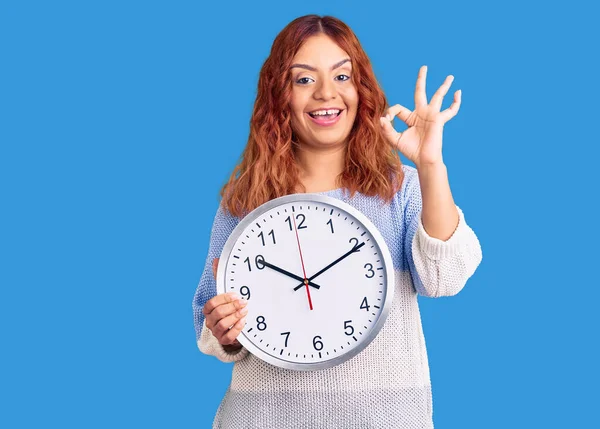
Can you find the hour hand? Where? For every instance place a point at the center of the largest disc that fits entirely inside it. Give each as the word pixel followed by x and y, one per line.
pixel 287 273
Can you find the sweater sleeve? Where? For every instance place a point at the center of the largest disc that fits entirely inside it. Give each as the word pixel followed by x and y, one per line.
pixel 209 345
pixel 223 225
pixel 438 268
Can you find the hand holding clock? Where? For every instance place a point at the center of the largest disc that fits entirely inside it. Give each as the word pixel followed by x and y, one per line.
pixel 225 316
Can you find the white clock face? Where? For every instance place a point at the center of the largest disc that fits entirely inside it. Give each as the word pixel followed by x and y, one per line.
pixel 345 261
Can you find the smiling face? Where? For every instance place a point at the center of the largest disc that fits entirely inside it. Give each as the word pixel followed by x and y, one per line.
pixel 324 99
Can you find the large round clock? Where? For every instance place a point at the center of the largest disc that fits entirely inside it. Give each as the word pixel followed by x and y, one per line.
pixel 318 278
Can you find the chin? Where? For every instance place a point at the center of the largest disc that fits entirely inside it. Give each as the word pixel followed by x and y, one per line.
pixel 330 143
pixel 324 138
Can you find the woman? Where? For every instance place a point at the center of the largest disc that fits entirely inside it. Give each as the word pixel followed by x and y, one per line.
pixel 320 124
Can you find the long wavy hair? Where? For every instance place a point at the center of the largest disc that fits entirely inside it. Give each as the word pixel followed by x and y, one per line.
pixel 268 167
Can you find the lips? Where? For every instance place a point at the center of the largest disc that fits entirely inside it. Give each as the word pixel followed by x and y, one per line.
pixel 326 120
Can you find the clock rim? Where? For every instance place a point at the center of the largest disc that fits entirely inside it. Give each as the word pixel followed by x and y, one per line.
pixel 386 256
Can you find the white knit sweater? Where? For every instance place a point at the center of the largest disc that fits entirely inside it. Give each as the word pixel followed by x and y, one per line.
pixel 387 385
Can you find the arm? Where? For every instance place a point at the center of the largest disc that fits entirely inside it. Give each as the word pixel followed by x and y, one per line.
pixel 439 214
pixel 442 250
pixel 223 225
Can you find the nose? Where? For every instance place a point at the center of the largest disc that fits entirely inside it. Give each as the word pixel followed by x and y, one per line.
pixel 325 91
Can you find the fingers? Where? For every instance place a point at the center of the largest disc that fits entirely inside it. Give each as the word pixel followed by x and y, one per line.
pixel 420 95
pixel 228 328
pixel 431 111
pixel 219 300
pixel 388 129
pixel 438 97
pixel 399 111
pixel 230 336
pixel 451 111
pixel 223 311
pixel 215 264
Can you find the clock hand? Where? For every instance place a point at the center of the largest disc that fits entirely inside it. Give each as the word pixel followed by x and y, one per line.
pixel 354 249
pixel 287 273
pixel 302 260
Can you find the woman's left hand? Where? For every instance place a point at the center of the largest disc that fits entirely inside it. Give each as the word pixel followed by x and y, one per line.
pixel 421 143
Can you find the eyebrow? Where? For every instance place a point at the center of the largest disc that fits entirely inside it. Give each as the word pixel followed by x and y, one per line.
pixel 311 68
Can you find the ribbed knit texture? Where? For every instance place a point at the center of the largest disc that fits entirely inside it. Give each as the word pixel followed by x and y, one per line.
pixel 387 385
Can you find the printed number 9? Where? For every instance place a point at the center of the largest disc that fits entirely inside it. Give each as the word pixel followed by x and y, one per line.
pixel 245 291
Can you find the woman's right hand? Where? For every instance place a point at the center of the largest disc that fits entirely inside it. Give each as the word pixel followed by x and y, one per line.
pixel 225 316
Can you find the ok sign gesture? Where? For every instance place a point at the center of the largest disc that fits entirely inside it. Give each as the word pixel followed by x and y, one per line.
pixel 421 143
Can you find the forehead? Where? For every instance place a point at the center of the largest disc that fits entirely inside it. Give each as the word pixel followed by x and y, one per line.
pixel 320 50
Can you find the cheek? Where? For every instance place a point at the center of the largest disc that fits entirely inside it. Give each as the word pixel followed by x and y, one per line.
pixel 296 120
pixel 297 111
pixel 352 103
pixel 355 100
pixel 297 100
pixel 351 98
pixel 352 110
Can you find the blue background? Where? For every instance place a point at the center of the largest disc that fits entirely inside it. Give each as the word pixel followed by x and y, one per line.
pixel 120 121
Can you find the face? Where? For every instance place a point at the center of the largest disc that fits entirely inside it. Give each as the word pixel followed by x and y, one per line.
pixel 324 98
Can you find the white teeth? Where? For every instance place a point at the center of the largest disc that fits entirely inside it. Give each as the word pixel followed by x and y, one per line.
pixel 326 112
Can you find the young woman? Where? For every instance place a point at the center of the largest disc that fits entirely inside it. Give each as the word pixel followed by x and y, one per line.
pixel 321 124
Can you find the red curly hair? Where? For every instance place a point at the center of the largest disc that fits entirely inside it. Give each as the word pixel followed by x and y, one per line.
pixel 268 168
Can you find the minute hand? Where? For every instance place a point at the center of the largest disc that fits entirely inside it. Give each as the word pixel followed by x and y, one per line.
pixel 349 252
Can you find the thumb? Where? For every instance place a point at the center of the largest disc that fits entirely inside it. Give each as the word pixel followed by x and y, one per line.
pixel 215 264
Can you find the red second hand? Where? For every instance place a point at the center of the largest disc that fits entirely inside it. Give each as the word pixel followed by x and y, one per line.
pixel 302 260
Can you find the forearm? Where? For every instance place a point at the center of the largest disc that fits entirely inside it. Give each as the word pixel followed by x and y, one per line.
pixel 439 214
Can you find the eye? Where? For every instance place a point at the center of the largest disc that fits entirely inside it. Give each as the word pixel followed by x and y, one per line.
pixel 302 80
pixel 343 75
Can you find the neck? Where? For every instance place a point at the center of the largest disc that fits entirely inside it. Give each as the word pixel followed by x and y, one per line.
pixel 320 168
